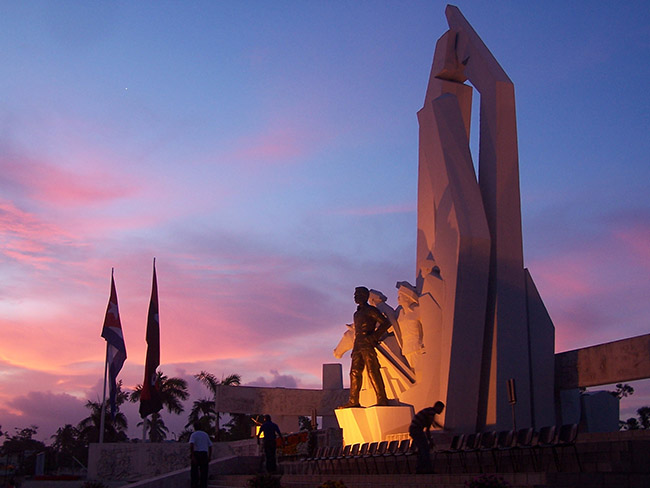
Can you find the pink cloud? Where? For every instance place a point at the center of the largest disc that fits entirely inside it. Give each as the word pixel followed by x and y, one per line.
pixel 593 284
pixel 50 341
pixel 45 410
pixel 54 185
pixel 567 274
pixel 637 240
pixel 276 380
pixel 42 405
pixel 21 406
pixel 274 146
pixel 279 144
pixel 28 239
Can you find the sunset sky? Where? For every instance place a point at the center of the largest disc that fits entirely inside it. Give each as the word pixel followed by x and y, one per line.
pixel 266 154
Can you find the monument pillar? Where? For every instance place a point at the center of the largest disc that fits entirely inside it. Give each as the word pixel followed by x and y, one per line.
pixel 481 324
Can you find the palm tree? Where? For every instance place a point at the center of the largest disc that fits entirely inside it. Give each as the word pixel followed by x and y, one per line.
pixel 67 445
pixel 212 383
pixel 184 436
pixel 173 392
pixel 65 438
pixel 114 428
pixel 156 427
pixel 203 413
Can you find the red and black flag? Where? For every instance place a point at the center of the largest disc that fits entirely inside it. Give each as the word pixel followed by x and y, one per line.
pixel 150 395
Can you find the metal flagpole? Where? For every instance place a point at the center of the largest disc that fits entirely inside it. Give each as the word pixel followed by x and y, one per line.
pixel 102 421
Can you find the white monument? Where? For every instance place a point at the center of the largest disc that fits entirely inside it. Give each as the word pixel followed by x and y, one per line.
pixel 482 320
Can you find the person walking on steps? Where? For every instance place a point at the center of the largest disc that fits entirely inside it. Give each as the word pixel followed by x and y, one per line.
pixel 200 452
pixel 269 430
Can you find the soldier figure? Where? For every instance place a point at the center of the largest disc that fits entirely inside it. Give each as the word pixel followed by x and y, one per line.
pixel 369 326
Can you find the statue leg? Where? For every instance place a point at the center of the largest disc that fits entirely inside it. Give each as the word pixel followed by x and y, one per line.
pixel 356 377
pixel 376 380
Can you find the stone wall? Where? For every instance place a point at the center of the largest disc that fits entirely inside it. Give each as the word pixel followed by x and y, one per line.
pixel 137 461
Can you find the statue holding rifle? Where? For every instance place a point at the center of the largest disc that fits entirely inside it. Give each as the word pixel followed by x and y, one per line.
pixel 369 326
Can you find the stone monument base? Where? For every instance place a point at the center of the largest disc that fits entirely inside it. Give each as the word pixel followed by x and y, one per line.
pixel 373 424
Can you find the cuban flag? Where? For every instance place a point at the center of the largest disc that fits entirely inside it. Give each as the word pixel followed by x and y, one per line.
pixel 115 347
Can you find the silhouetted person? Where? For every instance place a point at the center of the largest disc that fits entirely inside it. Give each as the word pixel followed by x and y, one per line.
pixel 366 337
pixel 269 430
pixel 420 432
pixel 200 452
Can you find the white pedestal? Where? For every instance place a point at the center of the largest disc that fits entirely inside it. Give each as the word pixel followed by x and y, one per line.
pixel 373 424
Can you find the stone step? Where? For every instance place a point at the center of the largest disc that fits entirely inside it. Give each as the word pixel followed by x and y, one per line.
pixel 230 481
pixel 515 480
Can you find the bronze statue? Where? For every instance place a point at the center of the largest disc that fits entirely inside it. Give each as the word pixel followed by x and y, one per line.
pixel 369 326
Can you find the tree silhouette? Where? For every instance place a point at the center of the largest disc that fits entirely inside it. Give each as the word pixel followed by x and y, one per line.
pixel 114 428
pixel 642 422
pixel 212 383
pixel 173 392
pixel 203 413
pixel 24 447
pixel 622 390
pixel 239 427
pixel 156 427
pixel 67 445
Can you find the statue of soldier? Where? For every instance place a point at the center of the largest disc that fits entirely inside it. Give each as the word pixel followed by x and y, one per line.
pixel 369 326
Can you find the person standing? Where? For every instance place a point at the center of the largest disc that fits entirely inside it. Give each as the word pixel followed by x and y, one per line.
pixel 269 430
pixel 420 432
pixel 200 455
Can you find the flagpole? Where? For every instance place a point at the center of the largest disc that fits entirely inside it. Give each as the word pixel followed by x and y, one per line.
pixel 103 418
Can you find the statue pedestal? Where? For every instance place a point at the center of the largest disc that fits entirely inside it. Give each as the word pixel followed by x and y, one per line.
pixel 373 424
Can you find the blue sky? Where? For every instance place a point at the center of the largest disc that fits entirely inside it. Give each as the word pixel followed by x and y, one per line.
pixel 266 154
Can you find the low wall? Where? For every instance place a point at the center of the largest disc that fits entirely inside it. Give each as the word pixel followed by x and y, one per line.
pixel 230 465
pixel 132 462
pixel 136 461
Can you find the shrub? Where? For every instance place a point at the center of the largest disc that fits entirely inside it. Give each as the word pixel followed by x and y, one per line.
pixel 264 481
pixel 487 481
pixel 93 484
pixel 333 484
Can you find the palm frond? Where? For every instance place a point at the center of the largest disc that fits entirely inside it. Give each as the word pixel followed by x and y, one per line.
pixel 208 379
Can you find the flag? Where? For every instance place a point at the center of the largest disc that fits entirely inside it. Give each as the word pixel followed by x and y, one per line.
pixel 115 347
pixel 150 394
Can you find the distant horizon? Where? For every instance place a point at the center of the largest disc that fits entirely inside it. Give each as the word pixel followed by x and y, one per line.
pixel 267 156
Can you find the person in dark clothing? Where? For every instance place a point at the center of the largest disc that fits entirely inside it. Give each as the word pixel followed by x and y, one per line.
pixel 369 327
pixel 269 430
pixel 200 454
pixel 420 432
